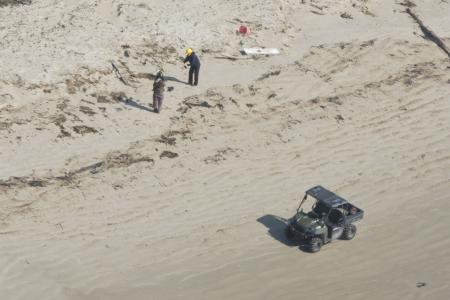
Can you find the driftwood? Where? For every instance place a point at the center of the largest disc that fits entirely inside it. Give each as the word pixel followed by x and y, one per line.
pixel 429 35
pixel 229 57
pixel 118 74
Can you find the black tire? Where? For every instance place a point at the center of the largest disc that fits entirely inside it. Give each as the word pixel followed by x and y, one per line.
pixel 288 233
pixel 349 232
pixel 313 245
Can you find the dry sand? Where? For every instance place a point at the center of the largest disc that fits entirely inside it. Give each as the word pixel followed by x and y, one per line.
pixel 101 199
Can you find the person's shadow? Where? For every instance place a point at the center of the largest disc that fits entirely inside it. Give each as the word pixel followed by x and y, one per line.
pixel 276 226
pixel 171 78
pixel 130 102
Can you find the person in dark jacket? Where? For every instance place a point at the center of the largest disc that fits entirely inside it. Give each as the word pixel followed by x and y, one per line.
pixel 158 91
pixel 194 69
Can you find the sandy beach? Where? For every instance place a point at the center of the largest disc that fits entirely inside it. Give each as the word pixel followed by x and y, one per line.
pixel 103 199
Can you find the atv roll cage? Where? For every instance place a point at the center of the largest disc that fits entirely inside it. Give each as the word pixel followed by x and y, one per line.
pixel 330 206
pixel 325 196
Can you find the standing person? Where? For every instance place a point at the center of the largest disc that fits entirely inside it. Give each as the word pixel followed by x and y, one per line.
pixel 194 62
pixel 158 91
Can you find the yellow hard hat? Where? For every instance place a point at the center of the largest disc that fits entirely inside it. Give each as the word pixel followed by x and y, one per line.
pixel 189 51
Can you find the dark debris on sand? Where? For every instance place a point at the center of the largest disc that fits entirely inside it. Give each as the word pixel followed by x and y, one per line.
pixel 14 2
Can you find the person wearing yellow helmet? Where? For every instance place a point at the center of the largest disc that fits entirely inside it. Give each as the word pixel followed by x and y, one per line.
pixel 194 63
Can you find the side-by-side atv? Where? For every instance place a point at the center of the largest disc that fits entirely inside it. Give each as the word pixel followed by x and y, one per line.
pixel 331 218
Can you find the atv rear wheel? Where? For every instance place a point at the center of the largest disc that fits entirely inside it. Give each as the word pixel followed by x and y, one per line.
pixel 313 245
pixel 349 232
pixel 288 233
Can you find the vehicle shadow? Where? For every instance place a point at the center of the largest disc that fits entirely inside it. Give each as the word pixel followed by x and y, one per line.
pixel 131 102
pixel 276 226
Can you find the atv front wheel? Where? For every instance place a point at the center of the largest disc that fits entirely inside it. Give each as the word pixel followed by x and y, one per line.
pixel 313 245
pixel 349 232
pixel 288 233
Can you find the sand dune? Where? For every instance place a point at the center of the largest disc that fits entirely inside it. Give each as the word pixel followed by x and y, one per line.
pixel 102 199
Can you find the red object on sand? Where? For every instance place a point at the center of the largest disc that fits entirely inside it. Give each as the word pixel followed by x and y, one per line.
pixel 244 29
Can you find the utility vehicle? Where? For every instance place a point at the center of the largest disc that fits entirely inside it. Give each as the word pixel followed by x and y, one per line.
pixel 331 218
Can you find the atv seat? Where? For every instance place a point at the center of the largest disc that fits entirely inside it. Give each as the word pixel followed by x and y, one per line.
pixel 313 215
pixel 336 216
